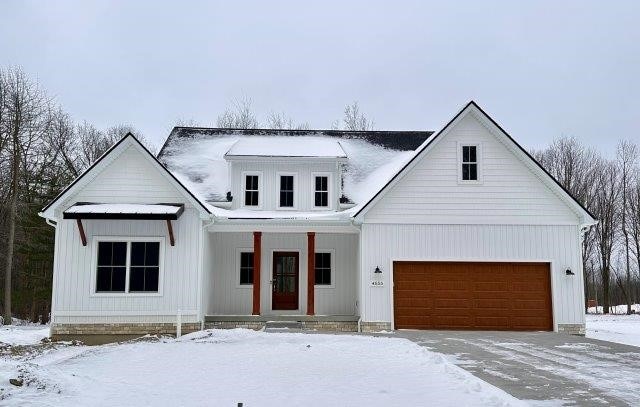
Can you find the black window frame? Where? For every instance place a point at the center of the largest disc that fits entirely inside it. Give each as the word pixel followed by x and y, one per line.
pixel 252 195
pixel 246 268
pixel 106 267
pixel 287 195
pixel 319 194
pixel 323 269
pixel 150 265
pixel 469 163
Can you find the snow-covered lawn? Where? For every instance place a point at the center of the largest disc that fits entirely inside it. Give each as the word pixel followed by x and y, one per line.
pixel 224 367
pixel 23 334
pixel 614 328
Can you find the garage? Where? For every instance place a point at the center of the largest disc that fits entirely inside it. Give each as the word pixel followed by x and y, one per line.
pixel 472 295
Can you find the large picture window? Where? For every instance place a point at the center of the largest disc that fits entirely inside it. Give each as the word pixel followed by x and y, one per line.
pixel 128 267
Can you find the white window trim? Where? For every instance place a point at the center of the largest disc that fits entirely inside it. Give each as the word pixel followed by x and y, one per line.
pixel 330 203
pixel 479 160
pixel 244 189
pixel 94 265
pixel 240 250
pixel 333 270
pixel 295 190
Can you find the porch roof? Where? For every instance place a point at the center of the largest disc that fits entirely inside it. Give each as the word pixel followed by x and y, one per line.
pixel 166 211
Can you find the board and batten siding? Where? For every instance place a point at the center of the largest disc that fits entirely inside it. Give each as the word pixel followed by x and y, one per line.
pixel 74 301
pixel 130 178
pixel 510 193
pixel 226 297
pixel 304 182
pixel 559 244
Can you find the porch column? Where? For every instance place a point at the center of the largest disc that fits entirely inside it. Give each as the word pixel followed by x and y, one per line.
pixel 257 246
pixel 311 272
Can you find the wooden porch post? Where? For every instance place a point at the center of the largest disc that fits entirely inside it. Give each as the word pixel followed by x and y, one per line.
pixel 311 272
pixel 257 246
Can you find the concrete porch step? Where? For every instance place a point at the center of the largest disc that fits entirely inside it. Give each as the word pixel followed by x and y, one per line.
pixel 276 326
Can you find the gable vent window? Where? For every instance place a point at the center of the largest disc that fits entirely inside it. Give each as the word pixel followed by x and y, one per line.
pixel 469 163
pixel 251 190
pixel 286 191
pixel 322 191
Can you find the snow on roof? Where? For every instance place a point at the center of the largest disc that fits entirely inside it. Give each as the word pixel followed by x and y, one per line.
pixel 124 209
pixel 196 156
pixel 260 146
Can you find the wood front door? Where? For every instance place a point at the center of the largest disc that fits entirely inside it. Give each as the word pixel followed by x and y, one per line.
pixel 285 281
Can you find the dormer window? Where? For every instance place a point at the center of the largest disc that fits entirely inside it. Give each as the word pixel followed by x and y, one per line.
pixel 287 193
pixel 321 192
pixel 251 190
pixel 469 168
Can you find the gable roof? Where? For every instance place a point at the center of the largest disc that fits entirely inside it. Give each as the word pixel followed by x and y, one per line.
pixel 131 139
pixel 361 209
pixel 197 155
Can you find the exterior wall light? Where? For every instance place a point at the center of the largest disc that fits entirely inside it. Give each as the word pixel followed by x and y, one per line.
pixel 377 270
pixel 569 272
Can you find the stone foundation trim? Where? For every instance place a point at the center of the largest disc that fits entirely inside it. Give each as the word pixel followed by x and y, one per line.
pixel 122 329
pixel 375 326
pixel 572 329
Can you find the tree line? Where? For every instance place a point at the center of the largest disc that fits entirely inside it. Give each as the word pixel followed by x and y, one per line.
pixel 42 150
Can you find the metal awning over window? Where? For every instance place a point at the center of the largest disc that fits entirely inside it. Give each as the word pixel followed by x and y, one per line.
pixel 165 211
pixel 124 211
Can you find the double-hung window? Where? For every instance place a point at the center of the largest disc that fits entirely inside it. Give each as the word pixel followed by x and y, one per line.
pixel 246 268
pixel 286 191
pixel 251 190
pixel 323 269
pixel 128 266
pixel 469 163
pixel 321 192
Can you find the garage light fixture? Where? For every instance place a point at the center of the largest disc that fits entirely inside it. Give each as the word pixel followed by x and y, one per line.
pixel 377 270
pixel 569 272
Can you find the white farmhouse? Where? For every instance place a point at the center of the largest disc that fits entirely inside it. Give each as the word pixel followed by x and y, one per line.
pixel 337 230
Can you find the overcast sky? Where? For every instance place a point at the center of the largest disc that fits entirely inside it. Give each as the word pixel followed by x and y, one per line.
pixel 541 69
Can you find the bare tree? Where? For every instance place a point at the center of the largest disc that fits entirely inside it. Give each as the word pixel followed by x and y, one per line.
pixel 239 116
pixel 627 156
pixel 354 119
pixel 284 122
pixel 606 210
pixel 23 115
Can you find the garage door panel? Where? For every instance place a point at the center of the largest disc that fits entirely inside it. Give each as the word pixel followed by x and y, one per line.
pixel 467 295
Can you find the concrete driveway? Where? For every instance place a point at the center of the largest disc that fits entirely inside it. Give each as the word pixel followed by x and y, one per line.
pixel 570 370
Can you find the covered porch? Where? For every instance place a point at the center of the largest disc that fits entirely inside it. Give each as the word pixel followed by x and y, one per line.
pixel 300 274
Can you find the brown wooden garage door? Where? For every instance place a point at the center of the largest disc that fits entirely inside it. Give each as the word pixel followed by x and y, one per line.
pixel 464 295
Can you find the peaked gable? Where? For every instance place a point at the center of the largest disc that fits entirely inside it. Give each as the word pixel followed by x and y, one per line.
pixel 126 160
pixel 516 184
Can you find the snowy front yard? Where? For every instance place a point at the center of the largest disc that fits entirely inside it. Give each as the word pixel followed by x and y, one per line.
pixel 623 329
pixel 224 367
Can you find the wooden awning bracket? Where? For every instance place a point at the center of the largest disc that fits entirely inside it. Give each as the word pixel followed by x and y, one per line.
pixel 83 236
pixel 172 240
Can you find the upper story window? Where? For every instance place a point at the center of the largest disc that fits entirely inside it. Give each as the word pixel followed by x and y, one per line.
pixel 286 191
pixel 251 190
pixel 128 267
pixel 469 163
pixel 321 194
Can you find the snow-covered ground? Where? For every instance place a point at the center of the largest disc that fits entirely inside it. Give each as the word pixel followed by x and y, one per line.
pixel 614 328
pixel 224 367
pixel 614 309
pixel 27 334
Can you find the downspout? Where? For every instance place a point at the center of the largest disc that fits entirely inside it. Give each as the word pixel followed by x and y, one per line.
pixel 205 225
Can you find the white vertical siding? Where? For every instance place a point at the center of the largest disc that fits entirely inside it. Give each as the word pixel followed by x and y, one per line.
pixel 383 243
pixel 510 193
pixel 304 188
pixel 74 269
pixel 226 298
